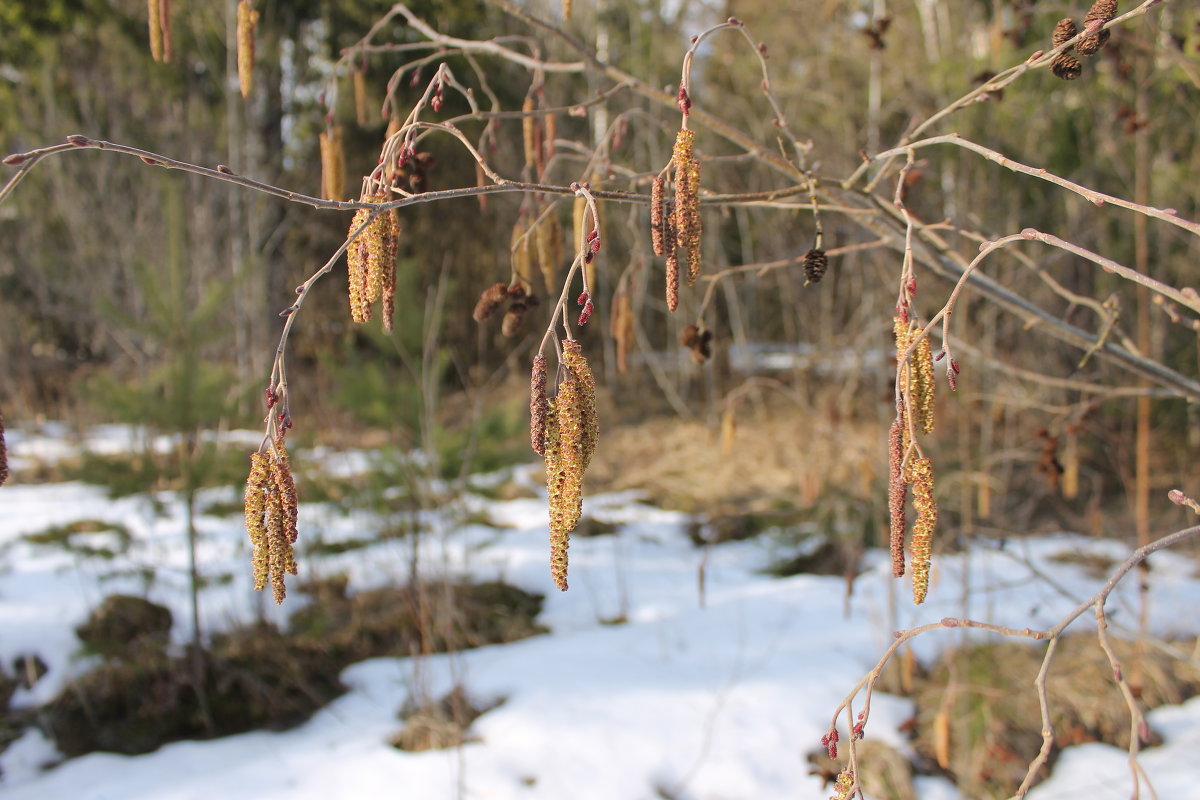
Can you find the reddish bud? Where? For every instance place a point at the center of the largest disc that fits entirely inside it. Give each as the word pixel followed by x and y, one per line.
pixel 79 140
pixel 586 314
pixel 941 354
pixel 949 622
pixel 224 170
pixel 912 285
pixel 583 298
pixel 954 366
pixel 685 101
pixel 15 160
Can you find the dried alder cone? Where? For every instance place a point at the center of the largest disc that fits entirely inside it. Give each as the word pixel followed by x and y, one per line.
pixel 1064 65
pixel 815 265
pixel 271 516
pixel 247 21
pixel 571 429
pixel 1101 13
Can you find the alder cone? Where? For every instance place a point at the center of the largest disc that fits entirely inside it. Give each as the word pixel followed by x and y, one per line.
pixel 1066 66
pixel 1064 31
pixel 815 265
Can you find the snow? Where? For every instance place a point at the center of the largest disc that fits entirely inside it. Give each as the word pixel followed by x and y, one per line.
pixel 710 689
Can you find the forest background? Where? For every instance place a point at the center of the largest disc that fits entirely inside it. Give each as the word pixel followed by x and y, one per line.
pixel 142 295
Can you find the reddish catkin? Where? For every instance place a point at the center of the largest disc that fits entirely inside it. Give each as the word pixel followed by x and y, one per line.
pixel 657 215
pixel 164 23
pixel 3 454
pixel 897 491
pixel 539 405
pixel 247 21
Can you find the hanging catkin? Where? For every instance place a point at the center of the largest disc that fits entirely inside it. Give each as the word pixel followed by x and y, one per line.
pixel 247 21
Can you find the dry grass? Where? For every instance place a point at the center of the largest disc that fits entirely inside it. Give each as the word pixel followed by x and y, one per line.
pixel 995 725
pixel 784 457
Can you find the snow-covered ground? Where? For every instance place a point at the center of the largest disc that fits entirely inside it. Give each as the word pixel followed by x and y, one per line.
pixel 711 689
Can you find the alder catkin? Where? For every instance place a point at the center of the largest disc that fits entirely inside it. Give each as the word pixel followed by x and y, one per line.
pixel 247 21
pixel 155 27
pixel 361 115
pixel 164 23
pixel 921 473
pixel 528 133
pixel 657 215
pixel 897 492
pixel 539 405
pixel 256 517
pixel 621 328
pixel 333 164
pixel 3 454
pixel 923 383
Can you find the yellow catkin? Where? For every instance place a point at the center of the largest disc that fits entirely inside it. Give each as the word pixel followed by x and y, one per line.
pixel 923 382
pixel 547 249
pixel 903 369
pixel 566 9
pixel 577 363
pixel 529 133
pixel 687 199
pixel 256 517
pixel 1070 478
pixel 897 492
pixel 571 433
pixel 3 454
pixel 921 472
pixel 521 250
pixel 155 28
pixel 333 164
pixel 357 258
pixel 941 738
pixel 247 21
pixel 621 328
pixel 361 114
pixel 728 431
pixel 164 24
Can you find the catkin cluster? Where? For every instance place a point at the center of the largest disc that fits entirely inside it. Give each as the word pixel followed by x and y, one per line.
pixel 271 514
pixel 916 374
pixel 160 29
pixel 906 464
pixel 3 454
pixel 247 21
pixel 675 222
pixel 570 429
pixel 372 262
